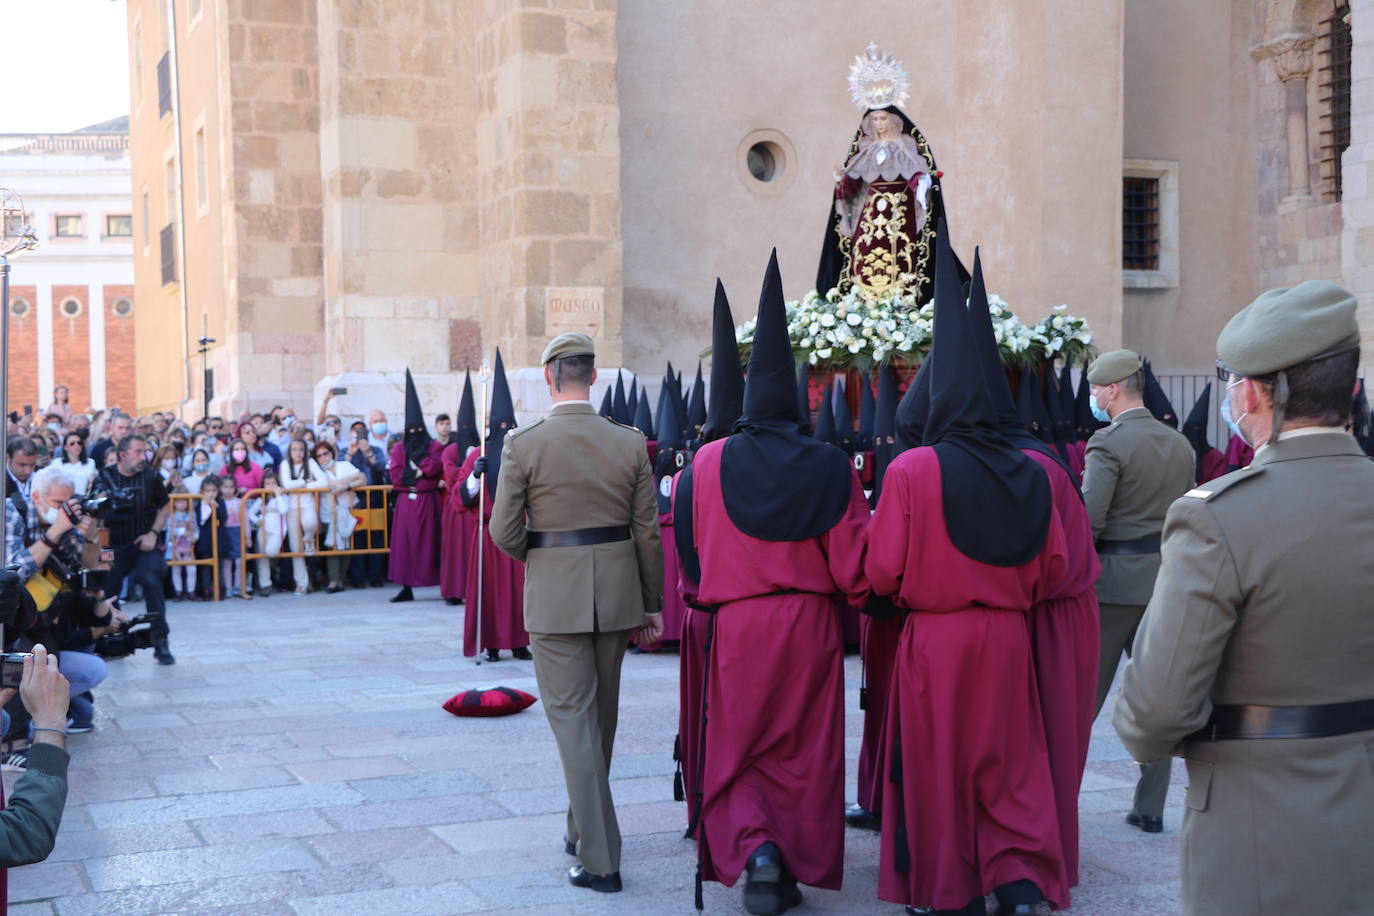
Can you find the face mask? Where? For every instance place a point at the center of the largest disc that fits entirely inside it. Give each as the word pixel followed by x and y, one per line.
pixel 169 463
pixel 55 427
pixel 200 467
pixel 1099 413
pixel 240 454
pixel 50 516
pixel 1233 422
pixel 379 429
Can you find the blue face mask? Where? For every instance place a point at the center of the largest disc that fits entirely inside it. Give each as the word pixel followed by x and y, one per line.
pixel 1233 422
pixel 379 429
pixel 1099 413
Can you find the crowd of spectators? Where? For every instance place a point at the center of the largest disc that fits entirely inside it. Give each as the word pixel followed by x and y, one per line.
pixel 167 492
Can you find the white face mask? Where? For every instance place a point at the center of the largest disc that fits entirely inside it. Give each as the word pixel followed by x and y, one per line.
pixel 1233 422
pixel 48 515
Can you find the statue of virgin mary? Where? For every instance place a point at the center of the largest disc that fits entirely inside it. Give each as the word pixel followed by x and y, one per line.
pixel 881 229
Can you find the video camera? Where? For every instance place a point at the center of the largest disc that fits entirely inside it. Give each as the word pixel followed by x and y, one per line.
pixel 134 635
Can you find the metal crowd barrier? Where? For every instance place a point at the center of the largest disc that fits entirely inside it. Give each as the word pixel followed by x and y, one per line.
pixel 369 511
pixel 193 509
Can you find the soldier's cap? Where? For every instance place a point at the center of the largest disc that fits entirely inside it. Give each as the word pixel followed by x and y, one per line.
pixel 568 345
pixel 1285 327
pixel 1110 368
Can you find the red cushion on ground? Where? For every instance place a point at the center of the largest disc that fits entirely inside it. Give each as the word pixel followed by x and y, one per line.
pixel 489 701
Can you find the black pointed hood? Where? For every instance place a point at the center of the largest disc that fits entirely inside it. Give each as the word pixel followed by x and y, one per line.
pixel 1085 424
pixel 643 422
pixel 1195 427
pixel 725 402
pixel 672 450
pixel 465 428
pixel 1009 421
pixel 696 407
pixel 416 436
pixel 825 417
pixel 804 398
pixel 632 399
pixel 867 406
pixel 885 446
pixel 620 408
pixel 500 421
pixel 997 501
pixel 844 422
pixel 1156 401
pixel 777 484
pixel 1030 404
pixel 607 405
pixel 1066 402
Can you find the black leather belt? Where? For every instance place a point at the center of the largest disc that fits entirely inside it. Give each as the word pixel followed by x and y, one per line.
pixel 1147 544
pixel 582 537
pixel 1229 723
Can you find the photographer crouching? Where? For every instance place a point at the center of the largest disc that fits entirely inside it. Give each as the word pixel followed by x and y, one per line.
pixel 45 553
pixel 135 508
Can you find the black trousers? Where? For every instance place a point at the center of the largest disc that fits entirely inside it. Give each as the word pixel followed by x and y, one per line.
pixel 148 568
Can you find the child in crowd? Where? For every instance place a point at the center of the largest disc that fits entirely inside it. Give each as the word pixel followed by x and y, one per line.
pixel 269 530
pixel 229 542
pixel 182 545
pixel 211 506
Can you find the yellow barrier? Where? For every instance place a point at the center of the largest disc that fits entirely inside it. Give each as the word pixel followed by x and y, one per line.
pixel 367 506
pixel 213 560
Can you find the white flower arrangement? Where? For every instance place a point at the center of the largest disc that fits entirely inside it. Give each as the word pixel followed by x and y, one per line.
pixel 841 331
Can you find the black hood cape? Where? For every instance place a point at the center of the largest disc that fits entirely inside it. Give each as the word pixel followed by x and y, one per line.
pixel 867 406
pixel 696 408
pixel 804 399
pixel 1009 421
pixel 416 437
pixel 465 428
pixel 499 422
pixel 1085 424
pixel 607 408
pixel 1195 428
pixel 777 484
pixel 620 408
pixel 997 500
pixel 885 445
pixel 672 450
pixel 825 417
pixel 1156 401
pixel 844 422
pixel 643 422
pixel 725 400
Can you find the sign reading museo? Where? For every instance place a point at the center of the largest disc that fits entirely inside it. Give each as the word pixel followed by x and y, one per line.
pixel 574 309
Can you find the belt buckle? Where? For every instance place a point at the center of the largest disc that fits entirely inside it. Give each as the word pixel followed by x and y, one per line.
pixel 410 495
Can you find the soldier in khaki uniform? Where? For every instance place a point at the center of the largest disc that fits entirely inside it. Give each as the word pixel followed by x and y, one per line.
pixel 1135 468
pixel 1254 660
pixel 576 504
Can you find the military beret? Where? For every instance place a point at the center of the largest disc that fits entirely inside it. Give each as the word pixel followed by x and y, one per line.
pixel 1284 327
pixel 568 345
pixel 1110 368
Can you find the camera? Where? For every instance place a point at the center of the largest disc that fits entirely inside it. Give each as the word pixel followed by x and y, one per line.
pixel 12 668
pixel 134 635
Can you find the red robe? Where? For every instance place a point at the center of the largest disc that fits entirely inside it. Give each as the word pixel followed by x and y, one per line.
pixel 1065 635
pixel 1214 465
pixel 1078 458
pixel 503 586
pixel 879 652
pixel 458 530
pixel 773 743
pixel 972 804
pixel 414 559
pixel 674 609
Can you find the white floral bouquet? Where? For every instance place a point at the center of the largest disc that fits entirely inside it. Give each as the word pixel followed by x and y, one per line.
pixel 842 331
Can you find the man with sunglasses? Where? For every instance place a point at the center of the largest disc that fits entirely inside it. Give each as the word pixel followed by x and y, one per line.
pixel 1253 661
pixel 1135 467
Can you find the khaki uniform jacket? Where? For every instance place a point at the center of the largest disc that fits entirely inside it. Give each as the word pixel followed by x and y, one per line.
pixel 1134 469
pixel 1264 598
pixel 574 469
pixel 28 825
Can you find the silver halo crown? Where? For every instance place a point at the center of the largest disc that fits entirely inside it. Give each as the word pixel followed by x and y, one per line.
pixel 877 80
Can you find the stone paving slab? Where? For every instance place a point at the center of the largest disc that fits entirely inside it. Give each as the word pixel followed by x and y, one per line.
pixel 296 762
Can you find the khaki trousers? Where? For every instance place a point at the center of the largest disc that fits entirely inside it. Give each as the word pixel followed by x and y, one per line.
pixel 579 685
pixel 1119 623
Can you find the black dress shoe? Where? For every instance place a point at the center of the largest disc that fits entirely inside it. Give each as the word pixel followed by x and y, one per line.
pixel 768 888
pixel 861 818
pixel 453 602
pixel 569 847
pixel 605 884
pixel 1146 822
pixel 405 594
pixel 522 654
pixel 493 655
pixel 162 653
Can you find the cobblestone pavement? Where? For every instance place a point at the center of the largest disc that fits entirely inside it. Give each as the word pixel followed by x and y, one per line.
pixel 296 761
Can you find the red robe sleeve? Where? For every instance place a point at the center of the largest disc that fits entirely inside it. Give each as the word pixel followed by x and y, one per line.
pixel 397 468
pixel 886 536
pixel 845 544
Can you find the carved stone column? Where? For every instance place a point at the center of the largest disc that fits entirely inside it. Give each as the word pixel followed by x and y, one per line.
pixel 1292 56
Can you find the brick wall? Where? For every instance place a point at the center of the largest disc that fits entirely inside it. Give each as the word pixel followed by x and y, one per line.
pixel 23 352
pixel 71 346
pixel 119 349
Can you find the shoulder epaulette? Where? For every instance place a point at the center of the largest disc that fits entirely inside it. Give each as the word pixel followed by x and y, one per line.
pixel 524 429
pixel 1214 488
pixel 623 425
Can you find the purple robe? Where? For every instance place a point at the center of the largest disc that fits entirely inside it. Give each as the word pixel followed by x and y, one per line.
pixel 502 604
pixel 458 531
pixel 414 557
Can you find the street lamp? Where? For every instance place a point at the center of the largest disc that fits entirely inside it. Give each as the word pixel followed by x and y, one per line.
pixel 207 386
pixel 16 235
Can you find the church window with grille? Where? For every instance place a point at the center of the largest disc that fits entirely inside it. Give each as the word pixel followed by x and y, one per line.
pixel 1333 88
pixel 1140 223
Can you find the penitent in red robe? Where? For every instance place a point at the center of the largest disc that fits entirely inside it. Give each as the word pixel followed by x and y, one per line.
pixel 879 651
pixel 773 745
pixel 503 586
pixel 1065 635
pixel 972 802
pixel 414 557
pixel 458 530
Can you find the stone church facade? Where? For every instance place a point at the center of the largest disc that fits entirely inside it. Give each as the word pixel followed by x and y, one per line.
pixel 339 189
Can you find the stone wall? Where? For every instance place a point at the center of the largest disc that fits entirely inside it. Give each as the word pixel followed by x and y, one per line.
pixel 1357 235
